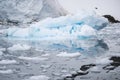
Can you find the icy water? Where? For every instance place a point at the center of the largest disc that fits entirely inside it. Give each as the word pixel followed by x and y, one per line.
pixel 40 58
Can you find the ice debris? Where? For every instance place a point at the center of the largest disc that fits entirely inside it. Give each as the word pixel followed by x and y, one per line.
pixel 17 47
pixel 33 58
pixel 9 71
pixel 65 54
pixel 39 77
pixel 8 61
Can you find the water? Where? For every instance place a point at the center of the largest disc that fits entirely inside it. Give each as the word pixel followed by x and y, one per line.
pixel 57 68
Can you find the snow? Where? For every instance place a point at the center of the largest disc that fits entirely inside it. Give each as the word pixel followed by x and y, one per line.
pixel 40 77
pixel 33 58
pixel 65 27
pixel 9 71
pixel 8 61
pixel 19 47
pixel 65 54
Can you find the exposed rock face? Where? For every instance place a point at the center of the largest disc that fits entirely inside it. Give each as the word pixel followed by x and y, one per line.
pixel 111 19
pixel 29 10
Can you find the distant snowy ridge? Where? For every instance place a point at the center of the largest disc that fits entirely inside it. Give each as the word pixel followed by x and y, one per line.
pixel 29 10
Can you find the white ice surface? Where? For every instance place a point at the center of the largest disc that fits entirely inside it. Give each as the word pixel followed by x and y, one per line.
pixel 19 47
pixel 1 53
pixel 33 58
pixel 8 62
pixel 40 77
pixel 9 71
pixel 104 60
pixel 65 54
pixel 2 49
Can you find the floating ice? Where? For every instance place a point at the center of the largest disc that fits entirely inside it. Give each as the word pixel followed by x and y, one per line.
pixel 19 47
pixel 8 62
pixel 65 54
pixel 104 60
pixel 33 58
pixel 67 27
pixel 1 53
pixel 2 49
pixel 95 69
pixel 9 71
pixel 40 77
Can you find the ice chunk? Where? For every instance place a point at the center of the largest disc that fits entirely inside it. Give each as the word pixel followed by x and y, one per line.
pixel 65 54
pixel 33 58
pixel 95 69
pixel 9 71
pixel 8 62
pixel 19 47
pixel 40 77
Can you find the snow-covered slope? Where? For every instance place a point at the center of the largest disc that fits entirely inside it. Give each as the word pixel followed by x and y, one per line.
pixel 29 10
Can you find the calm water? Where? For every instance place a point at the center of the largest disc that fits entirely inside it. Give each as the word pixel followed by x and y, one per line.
pixel 59 67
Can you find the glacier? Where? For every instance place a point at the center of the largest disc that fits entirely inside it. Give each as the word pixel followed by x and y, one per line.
pixel 26 11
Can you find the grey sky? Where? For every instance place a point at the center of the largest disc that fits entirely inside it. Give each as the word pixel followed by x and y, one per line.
pixel 104 6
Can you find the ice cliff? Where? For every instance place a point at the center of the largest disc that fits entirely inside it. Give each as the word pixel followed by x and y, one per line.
pixel 29 10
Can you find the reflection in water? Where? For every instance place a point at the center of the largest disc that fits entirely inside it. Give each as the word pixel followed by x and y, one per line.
pixel 88 47
pixel 24 68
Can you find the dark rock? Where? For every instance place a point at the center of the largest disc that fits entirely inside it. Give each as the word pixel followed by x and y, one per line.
pixel 73 76
pixel 111 19
pixel 86 67
pixel 115 59
pixel 114 64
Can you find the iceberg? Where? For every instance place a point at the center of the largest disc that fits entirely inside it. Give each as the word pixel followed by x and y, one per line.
pixel 77 32
pixel 65 27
